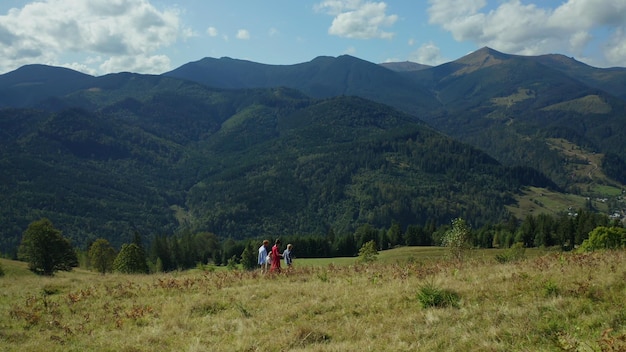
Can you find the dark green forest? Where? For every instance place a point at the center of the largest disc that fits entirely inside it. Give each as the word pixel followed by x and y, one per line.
pixel 240 164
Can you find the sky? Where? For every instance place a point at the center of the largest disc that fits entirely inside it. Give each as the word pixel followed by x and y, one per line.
pixel 155 36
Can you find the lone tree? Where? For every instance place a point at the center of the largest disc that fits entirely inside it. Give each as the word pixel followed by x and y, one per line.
pixel 45 249
pixel 101 256
pixel 368 252
pixel 457 239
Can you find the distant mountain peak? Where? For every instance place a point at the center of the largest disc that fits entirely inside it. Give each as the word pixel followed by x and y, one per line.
pixel 40 72
pixel 481 58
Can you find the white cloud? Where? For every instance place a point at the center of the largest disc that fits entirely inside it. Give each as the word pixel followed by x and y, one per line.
pixel 82 67
pixel 243 34
pixel 212 32
pixel 46 30
pixel 273 32
pixel 350 51
pixel 529 29
pixel 428 54
pixel 358 19
pixel 136 63
pixel 336 7
pixel 615 49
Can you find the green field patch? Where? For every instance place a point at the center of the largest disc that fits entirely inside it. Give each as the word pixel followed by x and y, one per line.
pixel 607 190
pixel 508 101
pixel 590 104
pixel 536 200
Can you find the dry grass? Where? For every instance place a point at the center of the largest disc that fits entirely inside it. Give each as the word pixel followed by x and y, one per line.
pixel 553 302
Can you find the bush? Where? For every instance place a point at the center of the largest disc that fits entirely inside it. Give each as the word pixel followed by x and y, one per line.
pixel 604 238
pixel 515 253
pixel 551 289
pixel 232 263
pixel 457 239
pixel 368 252
pixel 431 296
pixel 1 270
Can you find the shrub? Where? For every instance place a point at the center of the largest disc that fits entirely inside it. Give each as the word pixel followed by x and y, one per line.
pixel 232 263
pixel 551 289
pixel 515 253
pixel 431 296
pixel 457 239
pixel 604 238
pixel 368 252
pixel 1 270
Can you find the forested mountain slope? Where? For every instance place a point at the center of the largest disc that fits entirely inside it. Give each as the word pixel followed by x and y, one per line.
pixel 507 105
pixel 156 155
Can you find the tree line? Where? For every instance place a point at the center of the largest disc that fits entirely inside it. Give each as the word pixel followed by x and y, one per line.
pixel 47 251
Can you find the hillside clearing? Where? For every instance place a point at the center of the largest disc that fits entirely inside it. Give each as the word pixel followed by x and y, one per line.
pixel 550 302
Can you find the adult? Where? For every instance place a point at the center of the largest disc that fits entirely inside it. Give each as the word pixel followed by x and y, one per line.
pixel 276 256
pixel 263 256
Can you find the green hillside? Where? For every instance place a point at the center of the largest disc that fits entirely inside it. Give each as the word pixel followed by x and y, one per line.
pixel 123 153
pixel 155 155
pixel 504 104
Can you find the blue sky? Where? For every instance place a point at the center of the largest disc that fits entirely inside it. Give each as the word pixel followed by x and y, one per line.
pixel 155 36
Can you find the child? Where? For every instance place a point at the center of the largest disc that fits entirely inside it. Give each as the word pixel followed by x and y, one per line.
pixel 287 255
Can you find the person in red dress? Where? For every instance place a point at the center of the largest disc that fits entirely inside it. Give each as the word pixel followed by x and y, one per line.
pixel 276 256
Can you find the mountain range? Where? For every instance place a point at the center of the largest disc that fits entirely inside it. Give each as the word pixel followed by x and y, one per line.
pixel 244 149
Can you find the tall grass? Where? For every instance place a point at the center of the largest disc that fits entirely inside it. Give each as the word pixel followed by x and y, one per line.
pixel 552 302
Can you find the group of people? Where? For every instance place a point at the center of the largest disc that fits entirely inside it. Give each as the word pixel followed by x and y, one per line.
pixel 273 257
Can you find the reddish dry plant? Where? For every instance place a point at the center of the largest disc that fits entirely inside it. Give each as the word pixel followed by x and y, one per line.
pixel 31 317
pixel 139 311
pixel 79 296
pixel 610 343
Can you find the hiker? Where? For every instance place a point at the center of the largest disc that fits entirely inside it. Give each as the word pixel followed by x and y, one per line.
pixel 263 262
pixel 276 256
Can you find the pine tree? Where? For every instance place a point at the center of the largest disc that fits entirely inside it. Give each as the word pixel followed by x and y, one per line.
pixel 249 257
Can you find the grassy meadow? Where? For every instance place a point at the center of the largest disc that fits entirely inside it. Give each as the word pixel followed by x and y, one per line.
pixel 547 301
